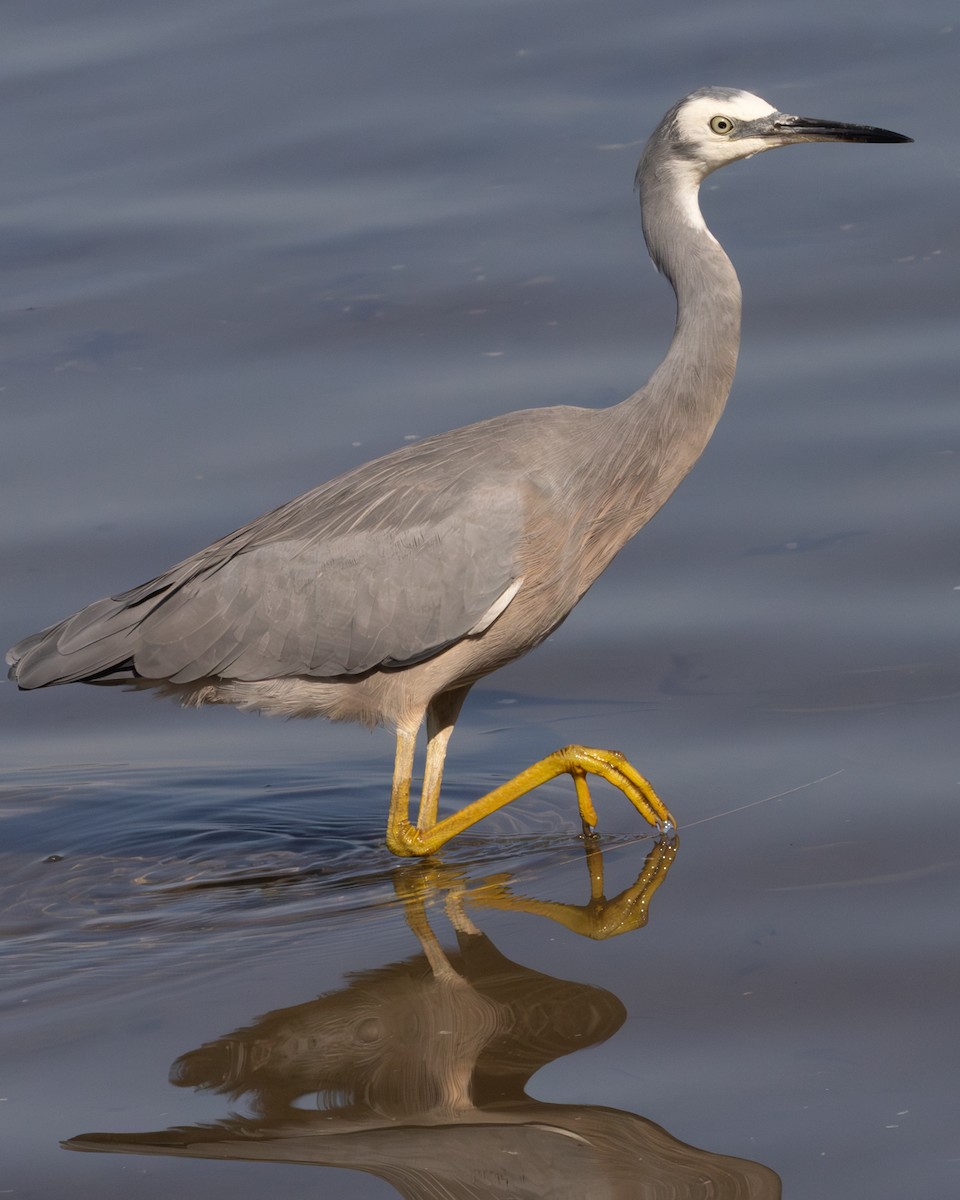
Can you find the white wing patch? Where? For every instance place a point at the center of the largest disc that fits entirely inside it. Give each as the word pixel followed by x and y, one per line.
pixel 498 607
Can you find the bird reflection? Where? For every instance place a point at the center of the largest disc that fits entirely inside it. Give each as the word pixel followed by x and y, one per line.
pixel 416 1072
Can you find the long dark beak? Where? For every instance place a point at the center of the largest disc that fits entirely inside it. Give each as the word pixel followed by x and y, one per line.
pixel 812 129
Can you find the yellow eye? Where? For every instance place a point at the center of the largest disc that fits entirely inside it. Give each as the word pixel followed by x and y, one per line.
pixel 721 125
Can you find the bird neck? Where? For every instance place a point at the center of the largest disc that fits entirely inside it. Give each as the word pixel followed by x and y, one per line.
pixel 697 372
pixel 663 428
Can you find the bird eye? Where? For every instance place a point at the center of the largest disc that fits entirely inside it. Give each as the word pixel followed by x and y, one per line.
pixel 723 125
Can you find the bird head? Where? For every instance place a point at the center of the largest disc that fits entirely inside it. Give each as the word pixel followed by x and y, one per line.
pixel 715 126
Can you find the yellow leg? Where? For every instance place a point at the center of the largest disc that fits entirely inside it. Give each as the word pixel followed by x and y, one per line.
pixel 399 816
pixel 432 778
pixel 405 839
pixel 441 717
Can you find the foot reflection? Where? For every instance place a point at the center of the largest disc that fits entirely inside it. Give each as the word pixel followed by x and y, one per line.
pixel 600 918
pixel 416 1072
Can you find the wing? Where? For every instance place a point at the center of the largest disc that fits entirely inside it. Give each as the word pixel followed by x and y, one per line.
pixel 378 568
pixel 338 607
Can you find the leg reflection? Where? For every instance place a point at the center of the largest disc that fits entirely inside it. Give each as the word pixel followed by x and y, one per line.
pixel 599 918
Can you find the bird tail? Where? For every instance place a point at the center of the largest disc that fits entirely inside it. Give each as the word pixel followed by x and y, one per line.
pixel 96 644
pixel 93 644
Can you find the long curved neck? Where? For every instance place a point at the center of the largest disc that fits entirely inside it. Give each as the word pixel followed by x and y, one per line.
pixel 699 366
pixel 662 429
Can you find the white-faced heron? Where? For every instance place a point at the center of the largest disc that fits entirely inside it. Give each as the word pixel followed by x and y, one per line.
pixel 385 594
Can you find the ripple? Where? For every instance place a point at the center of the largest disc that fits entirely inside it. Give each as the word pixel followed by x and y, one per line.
pixel 110 869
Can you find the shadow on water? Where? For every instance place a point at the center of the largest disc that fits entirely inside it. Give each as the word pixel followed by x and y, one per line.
pixel 416 1071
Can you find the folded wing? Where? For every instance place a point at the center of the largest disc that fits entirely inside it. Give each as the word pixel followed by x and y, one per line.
pixel 393 576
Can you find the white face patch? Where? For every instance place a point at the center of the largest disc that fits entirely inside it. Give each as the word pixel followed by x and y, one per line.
pixel 715 149
pixel 695 115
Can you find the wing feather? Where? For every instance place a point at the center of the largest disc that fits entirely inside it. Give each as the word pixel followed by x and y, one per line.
pixel 387 580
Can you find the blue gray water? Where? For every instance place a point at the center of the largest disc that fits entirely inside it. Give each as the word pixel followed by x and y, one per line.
pixel 250 243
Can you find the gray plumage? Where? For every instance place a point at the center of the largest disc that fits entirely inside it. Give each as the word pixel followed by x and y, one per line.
pixel 383 595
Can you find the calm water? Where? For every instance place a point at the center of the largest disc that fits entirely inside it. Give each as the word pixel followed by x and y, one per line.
pixel 248 244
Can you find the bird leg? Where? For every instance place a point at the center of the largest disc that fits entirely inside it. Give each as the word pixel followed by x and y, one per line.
pixel 398 819
pixel 441 718
pixel 433 776
pixel 579 761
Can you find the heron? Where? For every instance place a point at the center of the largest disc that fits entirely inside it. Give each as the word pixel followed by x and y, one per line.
pixel 383 595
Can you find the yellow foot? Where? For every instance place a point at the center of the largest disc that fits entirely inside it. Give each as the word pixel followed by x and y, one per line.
pixel 579 761
pixel 406 840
